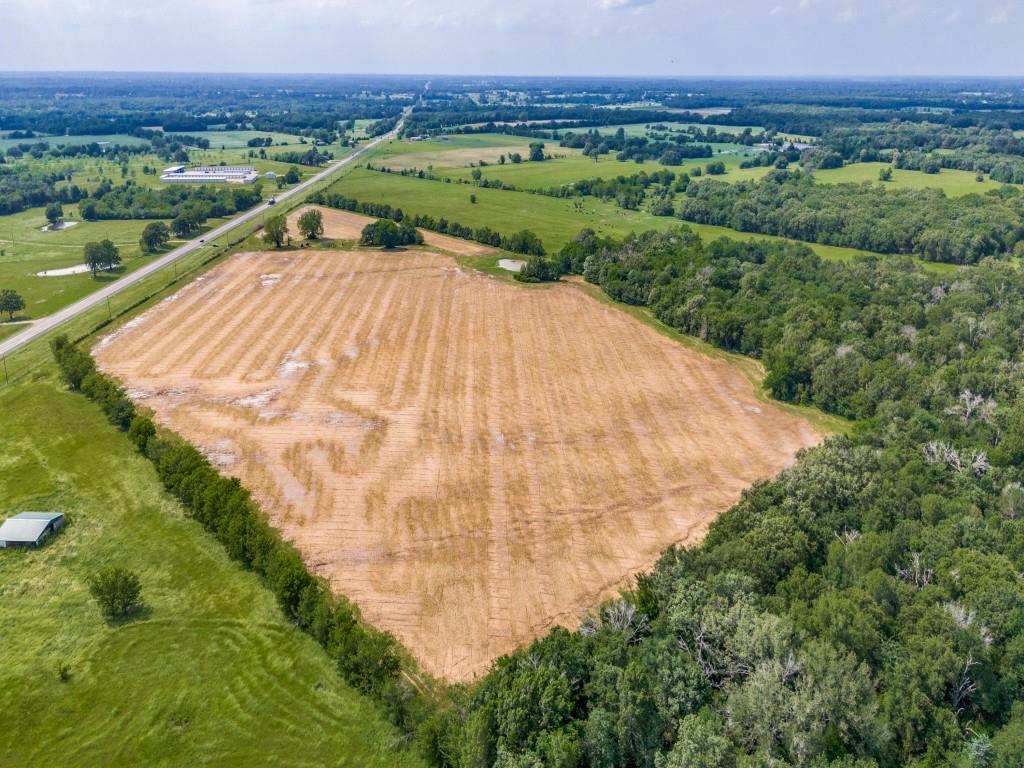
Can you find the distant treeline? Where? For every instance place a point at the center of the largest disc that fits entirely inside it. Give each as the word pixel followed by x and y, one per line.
pixel 636 148
pixel 435 118
pixel 960 230
pixel 815 120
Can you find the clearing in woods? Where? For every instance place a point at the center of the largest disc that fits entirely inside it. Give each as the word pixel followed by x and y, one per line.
pixel 472 461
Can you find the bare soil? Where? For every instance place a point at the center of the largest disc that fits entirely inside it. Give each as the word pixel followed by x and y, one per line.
pixel 470 460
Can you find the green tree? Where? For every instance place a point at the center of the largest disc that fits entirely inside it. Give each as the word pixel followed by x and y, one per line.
pixel 885 174
pixel 311 224
pixel 117 590
pixel 536 151
pixel 700 743
pixel 185 223
pixel 101 256
pixel 275 231
pixel 54 213
pixel 292 176
pixel 11 302
pixel 382 233
pixel 154 236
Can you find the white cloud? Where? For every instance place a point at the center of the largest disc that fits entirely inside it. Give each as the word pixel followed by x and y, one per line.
pixel 523 37
pixel 614 4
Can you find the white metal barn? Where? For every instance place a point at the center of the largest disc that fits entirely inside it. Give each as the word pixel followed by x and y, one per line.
pixel 29 529
pixel 210 174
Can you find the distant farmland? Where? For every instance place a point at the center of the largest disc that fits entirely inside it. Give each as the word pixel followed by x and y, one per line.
pixel 471 460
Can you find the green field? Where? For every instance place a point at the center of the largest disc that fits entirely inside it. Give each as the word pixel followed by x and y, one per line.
pixel 555 220
pixel 25 251
pixel 457 157
pixel 238 139
pixel 210 673
pixel 953 182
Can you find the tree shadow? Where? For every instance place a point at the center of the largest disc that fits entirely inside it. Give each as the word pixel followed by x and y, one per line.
pixel 142 613
pixel 109 276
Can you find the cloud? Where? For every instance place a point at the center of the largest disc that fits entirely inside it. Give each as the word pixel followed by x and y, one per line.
pixel 778 10
pixel 846 16
pixel 609 5
pixel 999 17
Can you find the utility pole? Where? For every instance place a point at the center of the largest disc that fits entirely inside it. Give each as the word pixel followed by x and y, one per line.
pixel 110 315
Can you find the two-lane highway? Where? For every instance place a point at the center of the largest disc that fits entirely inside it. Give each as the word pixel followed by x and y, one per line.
pixel 48 323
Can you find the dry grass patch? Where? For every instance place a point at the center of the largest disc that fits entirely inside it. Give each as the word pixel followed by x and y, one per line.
pixel 470 460
pixel 338 225
pixel 345 225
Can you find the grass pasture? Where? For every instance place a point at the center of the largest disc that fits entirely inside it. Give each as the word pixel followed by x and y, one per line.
pixel 209 673
pixel 456 158
pixel 555 220
pixel 238 139
pixel 951 181
pixel 27 251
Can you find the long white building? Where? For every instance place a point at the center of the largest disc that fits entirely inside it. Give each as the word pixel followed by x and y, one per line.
pixel 210 174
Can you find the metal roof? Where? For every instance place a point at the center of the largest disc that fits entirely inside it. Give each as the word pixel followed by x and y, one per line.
pixel 28 526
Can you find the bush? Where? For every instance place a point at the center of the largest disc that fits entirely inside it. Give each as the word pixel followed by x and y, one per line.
pixel 117 590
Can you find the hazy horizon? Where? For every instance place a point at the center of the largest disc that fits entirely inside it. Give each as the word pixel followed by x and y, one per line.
pixel 834 39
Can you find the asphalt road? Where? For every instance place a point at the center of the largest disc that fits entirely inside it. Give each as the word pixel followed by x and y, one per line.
pixel 44 324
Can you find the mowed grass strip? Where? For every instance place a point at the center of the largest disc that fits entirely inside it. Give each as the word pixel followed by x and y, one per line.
pixel 209 674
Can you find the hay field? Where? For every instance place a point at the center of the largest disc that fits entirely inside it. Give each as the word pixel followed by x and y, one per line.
pixel 472 461
pixel 346 225
pixel 338 225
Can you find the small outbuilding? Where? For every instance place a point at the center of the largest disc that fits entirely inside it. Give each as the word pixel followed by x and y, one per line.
pixel 29 529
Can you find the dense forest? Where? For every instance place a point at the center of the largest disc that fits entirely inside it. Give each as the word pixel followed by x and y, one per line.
pixel 864 608
pixel 926 223
pixel 112 103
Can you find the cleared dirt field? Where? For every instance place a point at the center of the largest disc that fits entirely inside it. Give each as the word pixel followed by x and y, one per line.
pixel 470 460
pixel 345 225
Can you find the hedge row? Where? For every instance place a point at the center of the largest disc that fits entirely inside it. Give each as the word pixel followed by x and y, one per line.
pixel 366 658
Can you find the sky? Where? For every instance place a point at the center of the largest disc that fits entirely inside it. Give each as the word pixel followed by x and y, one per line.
pixel 519 37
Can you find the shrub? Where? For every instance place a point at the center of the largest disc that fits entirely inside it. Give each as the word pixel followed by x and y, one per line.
pixel 117 590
